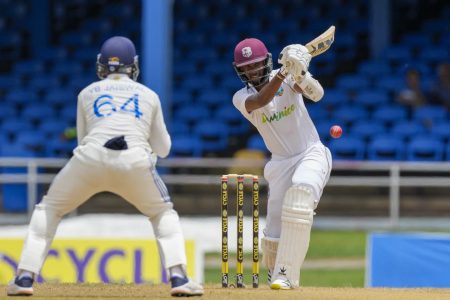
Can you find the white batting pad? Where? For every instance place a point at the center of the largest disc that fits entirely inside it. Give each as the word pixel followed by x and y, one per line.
pixel 269 251
pixel 296 221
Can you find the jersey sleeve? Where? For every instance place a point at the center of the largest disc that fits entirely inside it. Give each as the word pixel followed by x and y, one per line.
pixel 159 136
pixel 239 99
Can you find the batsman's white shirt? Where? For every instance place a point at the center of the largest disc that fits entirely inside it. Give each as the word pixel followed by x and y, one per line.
pixel 109 108
pixel 298 156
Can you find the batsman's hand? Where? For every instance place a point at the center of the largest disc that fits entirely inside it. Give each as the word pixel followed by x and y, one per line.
pixel 295 60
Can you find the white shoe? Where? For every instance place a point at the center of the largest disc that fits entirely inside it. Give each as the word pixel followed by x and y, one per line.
pixel 281 284
pixel 20 287
pixel 184 287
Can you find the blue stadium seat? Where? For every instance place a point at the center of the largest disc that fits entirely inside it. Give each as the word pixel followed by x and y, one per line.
pixel 59 97
pixel 9 82
pixel 14 196
pixel 76 39
pixel 347 148
pixel 350 114
pixel 374 69
pixel 29 67
pixel 352 82
pixel 434 55
pixel 13 125
pixel 405 130
pixel 256 142
pixel 372 98
pixel 391 83
pixel 317 111
pixel 60 148
pixel 390 114
pixel 178 128
pixel 213 134
pixel 67 68
pixel 421 66
pixel 191 114
pixel 181 97
pixel 397 54
pixel 429 114
pixel 32 140
pixel 79 82
pixel 236 123
pixel 335 98
pixel 43 83
pixel 213 98
pixel 232 83
pixel 425 148
pixel 186 146
pixel 447 152
pixel 197 82
pixel 21 96
pixel 416 40
pixel 6 112
pixel 386 148
pixel 37 112
pixel 53 127
pixel 366 129
pixel 183 68
pixel 441 130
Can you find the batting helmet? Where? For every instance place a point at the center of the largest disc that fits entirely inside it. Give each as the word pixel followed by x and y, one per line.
pixel 251 51
pixel 118 55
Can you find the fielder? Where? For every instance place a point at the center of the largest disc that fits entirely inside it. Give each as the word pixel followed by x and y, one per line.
pixel 300 165
pixel 121 131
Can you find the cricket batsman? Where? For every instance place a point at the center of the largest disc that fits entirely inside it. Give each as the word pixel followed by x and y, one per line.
pixel 300 165
pixel 120 131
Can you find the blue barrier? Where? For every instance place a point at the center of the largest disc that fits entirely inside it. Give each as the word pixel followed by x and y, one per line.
pixel 409 260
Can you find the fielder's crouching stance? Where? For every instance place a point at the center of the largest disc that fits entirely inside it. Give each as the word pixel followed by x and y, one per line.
pixel 120 128
pixel 300 165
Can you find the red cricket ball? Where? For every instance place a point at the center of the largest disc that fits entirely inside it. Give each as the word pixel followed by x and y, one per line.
pixel 336 131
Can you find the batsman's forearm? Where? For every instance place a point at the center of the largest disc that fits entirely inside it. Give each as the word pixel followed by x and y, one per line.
pixel 265 95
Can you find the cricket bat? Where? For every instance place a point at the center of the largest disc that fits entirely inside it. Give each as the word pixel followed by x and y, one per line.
pixel 321 43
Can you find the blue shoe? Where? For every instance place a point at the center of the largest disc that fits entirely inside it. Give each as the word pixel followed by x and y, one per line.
pixel 184 287
pixel 20 287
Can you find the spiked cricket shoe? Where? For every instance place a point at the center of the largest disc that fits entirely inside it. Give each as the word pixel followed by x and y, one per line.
pixel 184 287
pixel 281 284
pixel 20 287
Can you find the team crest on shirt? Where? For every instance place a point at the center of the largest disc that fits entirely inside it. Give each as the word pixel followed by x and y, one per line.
pixel 279 92
pixel 247 52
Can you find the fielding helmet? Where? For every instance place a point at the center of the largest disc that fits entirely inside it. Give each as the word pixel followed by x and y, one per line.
pixel 118 55
pixel 250 51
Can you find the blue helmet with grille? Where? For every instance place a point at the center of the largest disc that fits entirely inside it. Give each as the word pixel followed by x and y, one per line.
pixel 118 55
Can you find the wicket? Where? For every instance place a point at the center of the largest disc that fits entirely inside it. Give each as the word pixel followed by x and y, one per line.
pixel 240 228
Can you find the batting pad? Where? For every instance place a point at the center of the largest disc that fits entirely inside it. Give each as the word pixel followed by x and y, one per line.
pixel 269 250
pixel 296 222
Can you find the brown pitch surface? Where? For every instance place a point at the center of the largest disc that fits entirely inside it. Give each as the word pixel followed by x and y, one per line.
pixel 214 291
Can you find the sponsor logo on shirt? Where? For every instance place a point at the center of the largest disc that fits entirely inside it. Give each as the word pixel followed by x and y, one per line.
pixel 278 115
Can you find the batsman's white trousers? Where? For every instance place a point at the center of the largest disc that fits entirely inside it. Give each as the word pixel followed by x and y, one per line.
pixel 311 168
pixel 128 173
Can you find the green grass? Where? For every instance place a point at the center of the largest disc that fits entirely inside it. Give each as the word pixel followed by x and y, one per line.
pixel 337 244
pixel 317 277
pixel 323 245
